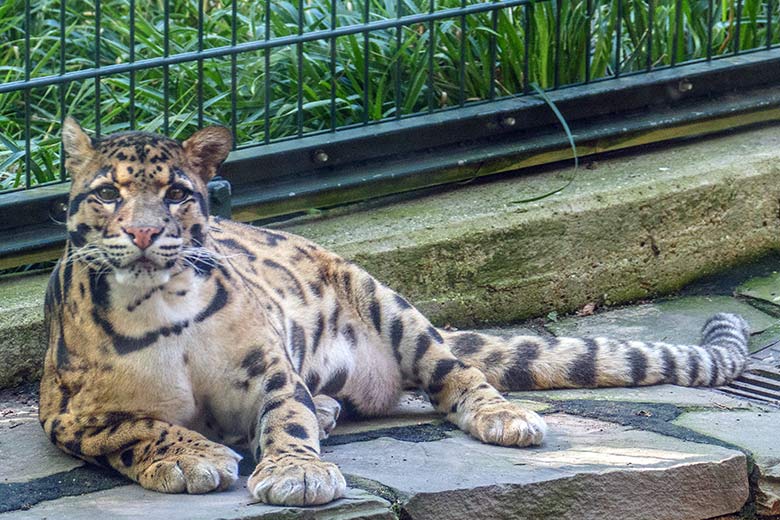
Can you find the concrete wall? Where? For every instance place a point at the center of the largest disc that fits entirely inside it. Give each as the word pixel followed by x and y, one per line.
pixel 628 227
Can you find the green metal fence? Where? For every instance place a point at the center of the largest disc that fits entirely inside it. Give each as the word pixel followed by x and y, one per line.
pixel 282 70
pixel 328 96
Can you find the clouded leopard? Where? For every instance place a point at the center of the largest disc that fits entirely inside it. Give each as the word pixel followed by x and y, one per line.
pixel 173 334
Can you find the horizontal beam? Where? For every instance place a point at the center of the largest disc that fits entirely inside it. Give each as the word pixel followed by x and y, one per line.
pixel 496 119
pixel 448 166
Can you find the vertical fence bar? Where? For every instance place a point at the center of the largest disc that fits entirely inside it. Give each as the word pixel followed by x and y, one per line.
pixel 618 37
pixel 462 57
pixel 63 86
pixel 166 68
pixel 234 73
pixel 200 64
pixel 710 22
pixel 739 26
pixel 267 79
pixel 588 45
pixel 493 45
pixel 98 41
pixel 528 12
pixel 333 23
pixel 132 60
pixel 27 100
pixel 676 32
pixel 769 8
pixel 650 22
pixel 398 44
pixel 366 58
pixel 431 52
pixel 557 55
pixel 299 68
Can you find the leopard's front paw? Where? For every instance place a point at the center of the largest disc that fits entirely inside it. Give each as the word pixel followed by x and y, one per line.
pixel 505 424
pixel 295 482
pixel 193 469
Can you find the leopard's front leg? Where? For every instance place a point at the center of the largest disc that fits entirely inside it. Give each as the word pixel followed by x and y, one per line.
pixel 286 444
pixel 158 455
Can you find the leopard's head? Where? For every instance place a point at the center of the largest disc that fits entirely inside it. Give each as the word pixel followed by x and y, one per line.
pixel 138 202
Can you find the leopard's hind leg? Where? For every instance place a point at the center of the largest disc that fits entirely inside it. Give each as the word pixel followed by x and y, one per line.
pixel 462 373
pixel 456 389
pixel 328 410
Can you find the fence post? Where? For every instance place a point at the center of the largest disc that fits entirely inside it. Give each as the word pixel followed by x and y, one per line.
pixel 219 197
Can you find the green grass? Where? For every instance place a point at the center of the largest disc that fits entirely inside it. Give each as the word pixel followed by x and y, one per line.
pixel 399 83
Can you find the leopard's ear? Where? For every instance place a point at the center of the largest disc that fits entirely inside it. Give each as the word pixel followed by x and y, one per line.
pixel 78 146
pixel 207 149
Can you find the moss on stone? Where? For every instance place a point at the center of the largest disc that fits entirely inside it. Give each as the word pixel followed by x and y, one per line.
pixel 22 339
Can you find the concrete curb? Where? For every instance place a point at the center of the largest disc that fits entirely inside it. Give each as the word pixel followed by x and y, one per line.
pixel 629 227
pixel 22 339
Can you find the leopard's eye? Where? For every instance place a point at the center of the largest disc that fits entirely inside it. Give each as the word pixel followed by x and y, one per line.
pixel 176 194
pixel 108 193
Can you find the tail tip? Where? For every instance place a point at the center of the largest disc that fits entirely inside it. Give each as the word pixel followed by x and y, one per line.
pixel 732 321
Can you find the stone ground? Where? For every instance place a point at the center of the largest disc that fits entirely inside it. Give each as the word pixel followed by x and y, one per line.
pixel 653 453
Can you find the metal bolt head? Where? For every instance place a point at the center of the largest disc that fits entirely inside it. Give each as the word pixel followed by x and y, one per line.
pixel 59 212
pixel 321 156
pixel 685 85
pixel 508 122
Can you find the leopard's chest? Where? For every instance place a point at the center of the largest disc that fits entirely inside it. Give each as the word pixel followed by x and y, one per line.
pixel 152 338
pixel 186 368
pixel 158 380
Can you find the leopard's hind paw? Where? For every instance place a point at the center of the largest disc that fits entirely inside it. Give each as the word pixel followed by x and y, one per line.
pixel 505 424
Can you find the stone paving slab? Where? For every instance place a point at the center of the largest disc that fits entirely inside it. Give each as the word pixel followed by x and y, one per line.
pixel 757 432
pixel 133 502
pixel 36 480
pixel 585 469
pixel 680 396
pixel 766 343
pixel 28 455
pixel 413 409
pixel 764 290
pixel 677 320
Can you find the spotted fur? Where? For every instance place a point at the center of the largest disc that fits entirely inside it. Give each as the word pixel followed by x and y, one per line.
pixel 172 334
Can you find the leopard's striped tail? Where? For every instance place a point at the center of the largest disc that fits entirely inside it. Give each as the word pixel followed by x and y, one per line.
pixel 532 362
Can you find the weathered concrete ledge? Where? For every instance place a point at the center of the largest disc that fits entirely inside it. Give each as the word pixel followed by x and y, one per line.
pixel 22 340
pixel 628 227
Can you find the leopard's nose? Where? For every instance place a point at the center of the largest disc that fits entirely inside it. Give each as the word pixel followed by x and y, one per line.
pixel 143 236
